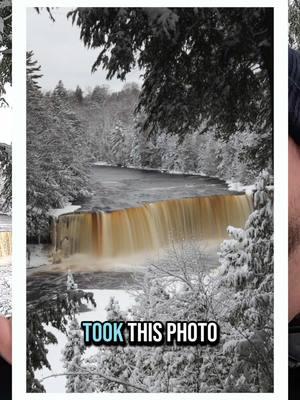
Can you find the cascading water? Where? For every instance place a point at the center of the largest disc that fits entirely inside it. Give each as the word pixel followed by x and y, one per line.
pixel 5 244
pixel 150 227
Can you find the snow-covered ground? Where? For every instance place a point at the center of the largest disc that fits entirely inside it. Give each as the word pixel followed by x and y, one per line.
pixel 68 208
pixel 5 286
pixel 239 187
pixel 57 384
pixel 39 255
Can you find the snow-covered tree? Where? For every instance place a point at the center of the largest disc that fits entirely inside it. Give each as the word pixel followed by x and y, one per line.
pixel 99 94
pixel 223 76
pixel 57 153
pixel 188 153
pixel 71 285
pixel 247 272
pixel 5 177
pixel 78 94
pixel 5 46
pixel 114 361
pixel 118 145
pixel 170 148
pixel 40 314
pixel 72 358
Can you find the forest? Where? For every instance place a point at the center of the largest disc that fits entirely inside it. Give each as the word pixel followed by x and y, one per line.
pixel 5 80
pixel 204 107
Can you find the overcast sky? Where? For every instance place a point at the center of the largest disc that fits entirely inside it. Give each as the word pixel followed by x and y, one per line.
pixel 59 50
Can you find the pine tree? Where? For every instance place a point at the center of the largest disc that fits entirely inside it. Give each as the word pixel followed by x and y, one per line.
pixel 117 145
pixel 40 195
pixel 71 285
pixel 57 153
pixel 99 94
pixel 40 314
pixel 115 361
pixel 33 70
pixel 5 47
pixel 60 91
pixel 247 270
pixel 78 94
pixel 72 358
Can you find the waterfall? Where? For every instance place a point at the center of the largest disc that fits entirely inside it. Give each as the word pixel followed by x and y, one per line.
pixel 151 226
pixel 5 244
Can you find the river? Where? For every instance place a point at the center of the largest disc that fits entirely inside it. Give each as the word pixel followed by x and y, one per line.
pixel 5 223
pixel 116 188
pixel 119 188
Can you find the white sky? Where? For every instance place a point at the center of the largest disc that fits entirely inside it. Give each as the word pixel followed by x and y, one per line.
pixel 59 50
pixel 6 119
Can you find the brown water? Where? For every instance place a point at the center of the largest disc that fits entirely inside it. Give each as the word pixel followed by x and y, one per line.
pixel 150 227
pixel 5 235
pixel 5 244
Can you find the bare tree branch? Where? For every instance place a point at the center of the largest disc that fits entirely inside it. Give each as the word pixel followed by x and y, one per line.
pixel 90 373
